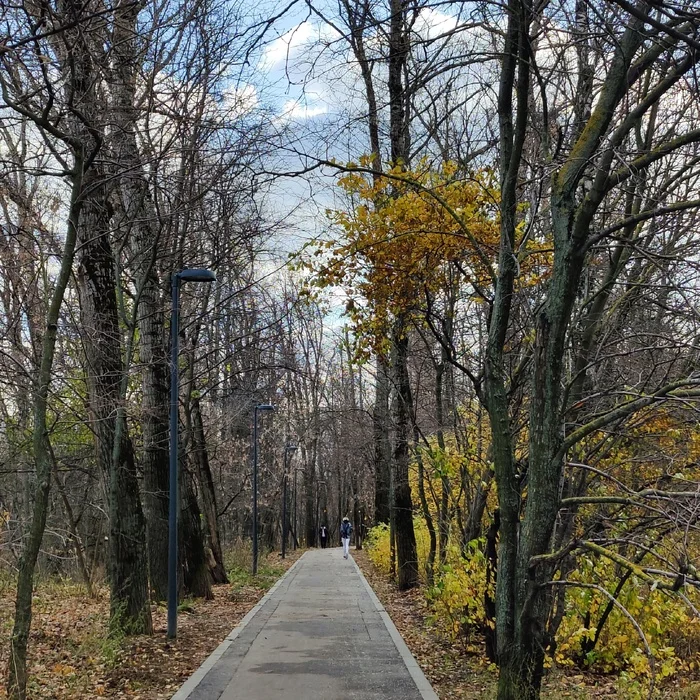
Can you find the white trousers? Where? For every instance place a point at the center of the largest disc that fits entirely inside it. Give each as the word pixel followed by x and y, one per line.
pixel 346 546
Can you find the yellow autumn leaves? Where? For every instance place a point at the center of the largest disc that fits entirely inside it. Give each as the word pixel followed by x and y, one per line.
pixel 403 236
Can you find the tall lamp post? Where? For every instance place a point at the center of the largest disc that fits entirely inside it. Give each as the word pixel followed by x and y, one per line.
pixel 287 449
pixel 264 407
pixel 193 275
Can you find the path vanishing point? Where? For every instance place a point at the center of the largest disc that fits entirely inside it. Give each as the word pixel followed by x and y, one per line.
pixel 319 634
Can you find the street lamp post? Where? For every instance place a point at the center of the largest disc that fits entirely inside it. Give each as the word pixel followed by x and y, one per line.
pixel 287 449
pixel 194 275
pixel 318 499
pixel 260 407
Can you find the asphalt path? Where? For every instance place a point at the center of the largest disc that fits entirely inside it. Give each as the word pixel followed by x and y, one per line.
pixel 319 634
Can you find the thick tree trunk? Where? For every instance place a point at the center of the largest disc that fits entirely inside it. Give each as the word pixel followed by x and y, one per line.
pixel 128 572
pixel 155 434
pixel 406 552
pixel 514 79
pixel 130 608
pixel 134 203
pixel 522 636
pixel 196 576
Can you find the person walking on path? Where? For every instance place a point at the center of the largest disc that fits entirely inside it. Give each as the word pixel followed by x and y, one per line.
pixel 324 536
pixel 345 532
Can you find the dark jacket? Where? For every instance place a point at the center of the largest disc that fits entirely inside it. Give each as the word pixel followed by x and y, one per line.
pixel 345 530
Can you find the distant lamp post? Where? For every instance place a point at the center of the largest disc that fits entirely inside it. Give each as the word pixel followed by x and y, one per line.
pixel 261 407
pixel 318 502
pixel 194 275
pixel 287 449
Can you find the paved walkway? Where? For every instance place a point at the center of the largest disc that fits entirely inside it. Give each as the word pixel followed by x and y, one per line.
pixel 319 634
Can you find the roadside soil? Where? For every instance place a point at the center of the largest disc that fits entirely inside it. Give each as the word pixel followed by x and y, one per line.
pixel 72 657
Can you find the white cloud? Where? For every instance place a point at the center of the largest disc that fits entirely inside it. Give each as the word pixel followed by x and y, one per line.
pixel 431 23
pixel 278 51
pixel 304 108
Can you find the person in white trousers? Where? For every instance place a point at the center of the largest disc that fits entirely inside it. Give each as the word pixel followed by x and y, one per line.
pixel 345 532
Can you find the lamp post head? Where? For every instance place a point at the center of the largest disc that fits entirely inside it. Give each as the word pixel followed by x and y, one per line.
pixel 196 275
pixel 290 448
pixel 265 407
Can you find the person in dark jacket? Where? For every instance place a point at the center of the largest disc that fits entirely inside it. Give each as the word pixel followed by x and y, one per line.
pixel 323 532
pixel 345 532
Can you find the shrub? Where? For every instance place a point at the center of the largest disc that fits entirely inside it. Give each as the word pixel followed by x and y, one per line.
pixel 620 649
pixel 456 598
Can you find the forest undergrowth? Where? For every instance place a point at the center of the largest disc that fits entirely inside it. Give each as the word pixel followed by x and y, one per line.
pixel 440 624
pixel 73 657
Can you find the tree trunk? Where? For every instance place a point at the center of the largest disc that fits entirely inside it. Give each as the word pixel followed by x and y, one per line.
pixel 490 635
pixel 196 576
pixel 207 492
pixel 128 573
pixel 406 553
pixel 134 202
pixel 382 449
pixel 524 601
pixel 430 564
pixel 75 536
pixel 310 478
pixel 17 665
pixel 444 505
pixel 155 433
pixel 477 507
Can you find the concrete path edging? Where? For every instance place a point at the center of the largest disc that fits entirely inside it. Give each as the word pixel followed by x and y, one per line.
pixel 193 681
pixel 422 683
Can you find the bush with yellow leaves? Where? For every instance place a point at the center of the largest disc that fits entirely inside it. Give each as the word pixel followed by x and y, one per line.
pixel 620 647
pixel 456 598
pixel 457 595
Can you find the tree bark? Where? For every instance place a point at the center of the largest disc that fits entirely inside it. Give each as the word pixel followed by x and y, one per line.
pixel 524 602
pixel 128 573
pixel 382 448
pixel 427 516
pixel 406 552
pixel 207 492
pixel 134 202
pixel 196 576
pixel 17 665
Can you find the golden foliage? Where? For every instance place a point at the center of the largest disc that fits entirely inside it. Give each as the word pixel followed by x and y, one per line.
pixel 396 236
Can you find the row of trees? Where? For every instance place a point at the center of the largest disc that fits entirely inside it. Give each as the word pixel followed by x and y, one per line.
pixel 514 240
pixel 518 243
pixel 131 149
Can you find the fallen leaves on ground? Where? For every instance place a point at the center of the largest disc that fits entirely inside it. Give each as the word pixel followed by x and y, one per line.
pixel 462 672
pixel 72 657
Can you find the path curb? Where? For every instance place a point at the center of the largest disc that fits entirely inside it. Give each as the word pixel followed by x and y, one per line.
pixel 415 671
pixel 194 680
